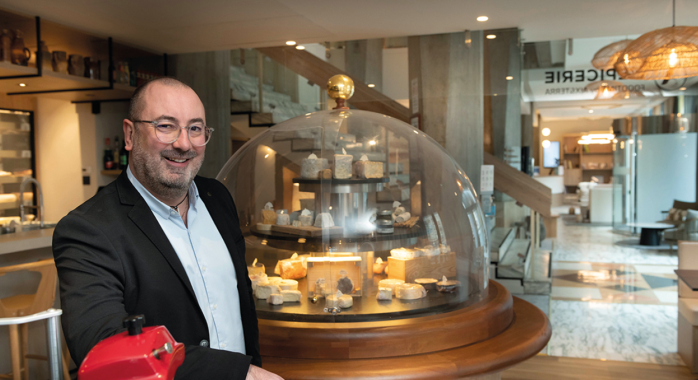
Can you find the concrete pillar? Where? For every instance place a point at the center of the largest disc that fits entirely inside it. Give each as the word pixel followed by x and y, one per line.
pixel 364 61
pixel 502 59
pixel 208 74
pixel 448 78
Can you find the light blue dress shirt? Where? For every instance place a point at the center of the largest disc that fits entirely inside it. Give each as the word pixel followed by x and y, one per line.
pixel 208 264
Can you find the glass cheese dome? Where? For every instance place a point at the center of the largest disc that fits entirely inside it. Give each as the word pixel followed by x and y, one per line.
pixel 351 215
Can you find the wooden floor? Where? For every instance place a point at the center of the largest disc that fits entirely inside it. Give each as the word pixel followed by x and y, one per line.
pixel 559 368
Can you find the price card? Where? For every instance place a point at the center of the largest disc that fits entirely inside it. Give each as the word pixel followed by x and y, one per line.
pixel 487 178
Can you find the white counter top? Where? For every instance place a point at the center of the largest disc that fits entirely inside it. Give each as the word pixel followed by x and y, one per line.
pixel 24 241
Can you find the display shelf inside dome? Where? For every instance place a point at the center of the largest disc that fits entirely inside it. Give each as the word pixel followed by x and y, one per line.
pixel 356 216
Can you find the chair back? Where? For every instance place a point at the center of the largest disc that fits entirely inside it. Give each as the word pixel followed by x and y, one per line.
pixel 685 205
pixel 44 297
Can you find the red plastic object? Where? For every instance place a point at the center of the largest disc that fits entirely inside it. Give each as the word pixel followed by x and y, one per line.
pixel 124 356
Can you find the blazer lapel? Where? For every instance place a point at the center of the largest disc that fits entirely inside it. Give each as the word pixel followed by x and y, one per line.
pixel 143 217
pixel 222 221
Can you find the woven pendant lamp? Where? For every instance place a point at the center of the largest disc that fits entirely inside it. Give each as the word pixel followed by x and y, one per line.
pixel 668 53
pixel 607 56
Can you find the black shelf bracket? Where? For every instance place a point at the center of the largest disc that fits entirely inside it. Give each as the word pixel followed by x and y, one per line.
pixel 110 74
pixel 39 57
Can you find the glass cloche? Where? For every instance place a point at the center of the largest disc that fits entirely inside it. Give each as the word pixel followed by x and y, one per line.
pixel 351 215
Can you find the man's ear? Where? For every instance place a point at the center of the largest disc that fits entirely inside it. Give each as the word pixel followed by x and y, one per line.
pixel 129 130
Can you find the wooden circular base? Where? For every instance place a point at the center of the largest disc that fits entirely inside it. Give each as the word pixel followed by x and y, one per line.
pixel 390 338
pixel 525 337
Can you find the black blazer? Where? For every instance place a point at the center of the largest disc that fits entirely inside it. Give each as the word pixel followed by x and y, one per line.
pixel 114 260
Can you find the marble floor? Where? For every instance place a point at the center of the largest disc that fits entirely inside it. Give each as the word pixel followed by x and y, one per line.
pixel 612 302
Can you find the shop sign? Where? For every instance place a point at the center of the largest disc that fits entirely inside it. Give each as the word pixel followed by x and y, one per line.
pixel 555 84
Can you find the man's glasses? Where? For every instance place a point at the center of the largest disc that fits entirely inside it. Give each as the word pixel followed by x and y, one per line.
pixel 168 132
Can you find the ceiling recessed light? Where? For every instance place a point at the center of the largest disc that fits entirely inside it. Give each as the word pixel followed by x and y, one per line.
pixel 546 144
pixel 546 131
pixel 591 111
pixel 483 18
pixel 683 89
pixel 290 43
pixel 371 85
pixel 300 47
pixel 22 85
pixel 510 77
pixel 491 36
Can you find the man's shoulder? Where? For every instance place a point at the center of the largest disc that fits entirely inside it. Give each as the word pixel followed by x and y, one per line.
pixel 205 184
pixel 101 208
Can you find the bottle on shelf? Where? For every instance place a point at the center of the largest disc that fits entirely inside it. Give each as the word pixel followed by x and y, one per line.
pixel 108 156
pixel 115 152
pixel 123 156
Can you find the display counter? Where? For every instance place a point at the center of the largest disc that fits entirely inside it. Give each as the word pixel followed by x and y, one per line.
pixel 365 240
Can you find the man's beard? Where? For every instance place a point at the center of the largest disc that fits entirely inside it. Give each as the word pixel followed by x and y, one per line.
pixel 160 180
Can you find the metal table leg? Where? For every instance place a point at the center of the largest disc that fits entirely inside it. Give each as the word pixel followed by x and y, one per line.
pixel 54 349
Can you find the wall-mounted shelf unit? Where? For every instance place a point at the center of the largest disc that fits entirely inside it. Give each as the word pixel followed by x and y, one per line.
pixel 39 79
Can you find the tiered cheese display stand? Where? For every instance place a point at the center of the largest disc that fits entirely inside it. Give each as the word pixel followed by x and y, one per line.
pixel 369 288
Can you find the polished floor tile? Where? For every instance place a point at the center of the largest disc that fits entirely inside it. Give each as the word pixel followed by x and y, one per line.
pixel 627 332
pixel 612 302
pixel 584 294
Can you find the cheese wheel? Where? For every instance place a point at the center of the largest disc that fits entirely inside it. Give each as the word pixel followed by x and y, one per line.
pixel 291 295
pixel 410 291
pixel 390 283
pixel 384 294
pixel 343 302
pixel 275 299
pixel 264 290
pixel 288 285
pixel 256 279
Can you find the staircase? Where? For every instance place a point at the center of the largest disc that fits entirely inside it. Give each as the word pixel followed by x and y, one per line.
pixel 244 99
pixel 515 262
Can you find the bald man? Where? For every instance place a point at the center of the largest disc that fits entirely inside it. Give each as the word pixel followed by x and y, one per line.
pixel 162 242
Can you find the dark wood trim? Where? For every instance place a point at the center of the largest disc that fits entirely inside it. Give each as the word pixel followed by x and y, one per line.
pixel 362 340
pixel 524 338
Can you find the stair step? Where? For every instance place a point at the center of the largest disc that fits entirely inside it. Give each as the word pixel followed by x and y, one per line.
pixel 500 240
pixel 512 263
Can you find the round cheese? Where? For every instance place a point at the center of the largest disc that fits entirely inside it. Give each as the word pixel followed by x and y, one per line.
pixel 410 291
pixel 390 283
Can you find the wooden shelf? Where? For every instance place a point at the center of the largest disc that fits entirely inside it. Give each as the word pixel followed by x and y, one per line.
pixel 10 69
pixel 53 81
pixel 113 172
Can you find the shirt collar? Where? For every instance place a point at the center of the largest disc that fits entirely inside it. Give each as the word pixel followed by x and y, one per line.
pixel 157 206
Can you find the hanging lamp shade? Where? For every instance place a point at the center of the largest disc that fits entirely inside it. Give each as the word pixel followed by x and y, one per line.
pixel 667 53
pixel 606 57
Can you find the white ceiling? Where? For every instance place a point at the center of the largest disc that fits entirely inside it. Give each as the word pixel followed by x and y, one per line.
pixel 179 26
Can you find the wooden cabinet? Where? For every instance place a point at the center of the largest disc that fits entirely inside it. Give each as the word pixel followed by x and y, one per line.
pixel 572 177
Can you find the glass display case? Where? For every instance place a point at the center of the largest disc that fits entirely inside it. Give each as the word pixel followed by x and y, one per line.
pixel 354 216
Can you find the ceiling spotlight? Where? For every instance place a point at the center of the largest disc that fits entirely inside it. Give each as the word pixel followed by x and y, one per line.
pixel 546 143
pixel 290 43
pixel 546 131
pixel 483 18
pixel 510 77
pixel 22 85
pixel 683 89
pixel 372 142
pixel 371 85
pixel 300 47
pixel 491 36
pixel 591 111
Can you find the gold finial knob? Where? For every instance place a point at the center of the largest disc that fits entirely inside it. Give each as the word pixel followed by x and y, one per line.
pixel 340 88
